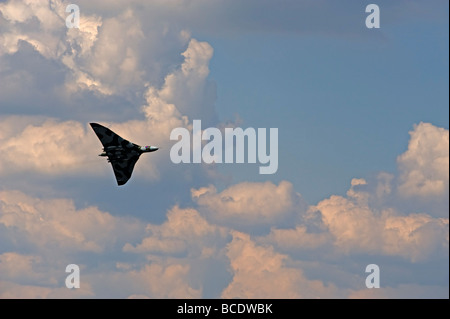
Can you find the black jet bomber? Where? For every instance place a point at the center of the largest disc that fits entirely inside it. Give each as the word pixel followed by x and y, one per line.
pixel 121 153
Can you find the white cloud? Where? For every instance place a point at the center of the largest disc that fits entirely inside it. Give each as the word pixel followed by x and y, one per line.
pixel 134 55
pixel 18 267
pixel 51 147
pixel 409 291
pixel 250 203
pixel 357 227
pixel 21 14
pixel 57 233
pixel 261 272
pixel 424 167
pixel 56 148
pixel 107 55
pixel 11 290
pixel 50 225
pixel 94 61
pixel 185 231
pixel 36 276
pixel 374 218
pixel 156 280
pixel 187 88
pixel 57 230
pixel 297 239
pixel 113 61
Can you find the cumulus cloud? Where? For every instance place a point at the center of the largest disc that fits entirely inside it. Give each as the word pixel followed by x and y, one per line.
pixel 50 225
pixel 185 231
pixel 183 91
pixel 21 15
pixel 297 239
pixel 424 167
pixel 142 75
pixel 186 90
pixel 18 267
pixel 22 278
pixel 42 25
pixel 36 276
pixel 173 250
pixel 188 87
pixel 11 290
pixel 154 279
pixel 250 203
pixel 357 224
pixel 51 147
pixel 59 234
pixel 164 71
pixel 373 217
pixel 357 227
pixel 412 291
pixel 261 272
pixel 54 147
pixel 108 61
pixel 106 64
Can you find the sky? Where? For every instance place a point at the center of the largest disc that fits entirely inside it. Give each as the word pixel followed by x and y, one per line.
pixel 363 149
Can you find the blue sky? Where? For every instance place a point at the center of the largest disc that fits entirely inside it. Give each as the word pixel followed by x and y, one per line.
pixel 362 116
pixel 365 95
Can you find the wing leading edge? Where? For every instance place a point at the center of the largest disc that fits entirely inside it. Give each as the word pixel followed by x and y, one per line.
pixel 108 137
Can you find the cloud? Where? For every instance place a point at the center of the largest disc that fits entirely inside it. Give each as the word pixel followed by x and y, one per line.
pixel 59 234
pixel 170 281
pixel 56 225
pixel 297 238
pixel 353 224
pixel 155 279
pixel 187 88
pixel 357 227
pixel 140 72
pixel 36 276
pixel 250 203
pixel 178 258
pixel 11 290
pixel 108 60
pixel 424 167
pixel 261 272
pixel 24 17
pixel 18 267
pixel 53 147
pixel 375 217
pixel 410 291
pixel 185 231
pixel 106 64
pixel 42 25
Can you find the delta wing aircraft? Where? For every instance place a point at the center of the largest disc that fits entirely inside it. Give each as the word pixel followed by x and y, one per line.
pixel 121 153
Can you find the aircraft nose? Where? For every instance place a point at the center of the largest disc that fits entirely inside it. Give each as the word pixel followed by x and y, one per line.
pixel 154 148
